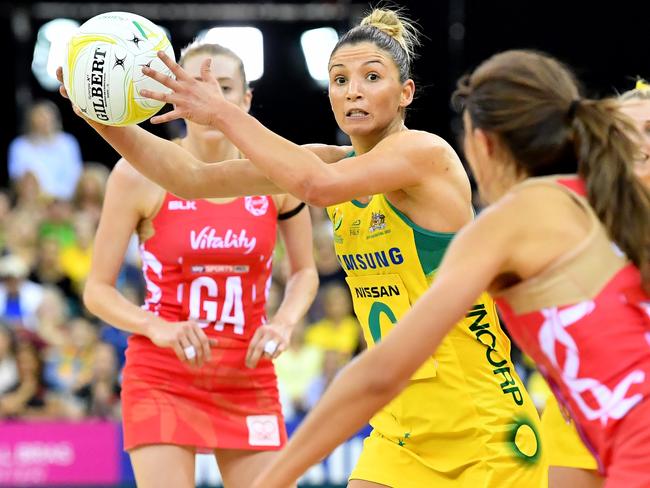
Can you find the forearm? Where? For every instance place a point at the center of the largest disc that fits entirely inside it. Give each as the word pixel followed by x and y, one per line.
pixel 162 161
pixel 299 293
pixel 107 303
pixel 292 167
pixel 328 424
pixel 176 170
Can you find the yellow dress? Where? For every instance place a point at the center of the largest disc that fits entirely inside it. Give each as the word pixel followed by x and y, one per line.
pixel 465 420
pixel 561 439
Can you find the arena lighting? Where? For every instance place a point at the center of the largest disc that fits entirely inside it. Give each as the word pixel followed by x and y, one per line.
pixel 49 50
pixel 229 12
pixel 246 42
pixel 317 45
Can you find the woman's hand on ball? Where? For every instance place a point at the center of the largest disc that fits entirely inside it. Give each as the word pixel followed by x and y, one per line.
pixel 59 76
pixel 193 99
pixel 64 94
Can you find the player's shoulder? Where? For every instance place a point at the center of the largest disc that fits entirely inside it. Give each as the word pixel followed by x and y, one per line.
pixel 123 171
pixel 419 144
pixel 128 178
pixel 329 153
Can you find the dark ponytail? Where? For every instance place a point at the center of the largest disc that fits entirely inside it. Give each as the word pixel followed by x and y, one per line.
pixel 531 101
pixel 605 153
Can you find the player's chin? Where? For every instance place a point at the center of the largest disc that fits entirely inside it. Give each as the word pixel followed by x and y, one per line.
pixel 209 134
pixel 358 128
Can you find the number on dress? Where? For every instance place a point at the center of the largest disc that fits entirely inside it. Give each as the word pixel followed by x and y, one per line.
pixel 204 306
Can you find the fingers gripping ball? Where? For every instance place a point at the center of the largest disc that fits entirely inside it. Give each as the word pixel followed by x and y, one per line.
pixel 102 70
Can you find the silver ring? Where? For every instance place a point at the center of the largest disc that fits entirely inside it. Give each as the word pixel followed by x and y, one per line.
pixel 270 347
pixel 190 352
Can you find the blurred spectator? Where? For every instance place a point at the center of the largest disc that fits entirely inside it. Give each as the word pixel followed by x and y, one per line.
pixel 76 259
pixel 5 214
pixel 69 367
pixel 327 264
pixel 28 198
pixel 297 368
pixel 8 368
pixel 19 297
pixel 21 237
pixel 101 396
pixel 332 362
pixel 339 329
pixel 47 269
pixel 27 397
pixel 57 223
pixel 89 194
pixel 52 317
pixel 51 155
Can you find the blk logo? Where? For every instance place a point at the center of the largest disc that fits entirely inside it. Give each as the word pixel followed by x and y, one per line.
pixel 182 205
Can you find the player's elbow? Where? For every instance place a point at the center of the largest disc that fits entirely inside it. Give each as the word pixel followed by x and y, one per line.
pixel 385 382
pixel 91 297
pixel 317 192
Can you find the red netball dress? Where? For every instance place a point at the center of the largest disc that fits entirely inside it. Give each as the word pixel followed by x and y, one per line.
pixel 211 263
pixel 585 321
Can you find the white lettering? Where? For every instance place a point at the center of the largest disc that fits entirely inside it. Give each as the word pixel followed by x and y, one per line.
pixel 612 403
pixel 181 205
pixel 54 453
pixel 207 238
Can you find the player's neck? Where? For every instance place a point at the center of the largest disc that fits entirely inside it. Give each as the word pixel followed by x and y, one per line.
pixel 212 150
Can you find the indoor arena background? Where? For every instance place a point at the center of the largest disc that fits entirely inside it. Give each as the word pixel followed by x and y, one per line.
pixel 74 438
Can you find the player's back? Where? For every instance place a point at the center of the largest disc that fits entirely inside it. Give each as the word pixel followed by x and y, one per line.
pixel 587 306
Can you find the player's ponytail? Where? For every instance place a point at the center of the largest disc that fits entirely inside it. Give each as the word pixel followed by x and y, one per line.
pixel 605 154
pixel 531 102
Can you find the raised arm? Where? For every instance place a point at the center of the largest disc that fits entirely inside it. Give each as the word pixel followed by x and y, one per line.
pixel 400 161
pixel 378 375
pixel 179 172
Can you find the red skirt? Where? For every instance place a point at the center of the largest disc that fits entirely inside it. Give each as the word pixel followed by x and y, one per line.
pixel 629 451
pixel 222 405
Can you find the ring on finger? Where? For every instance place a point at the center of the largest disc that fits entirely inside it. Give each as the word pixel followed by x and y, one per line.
pixel 190 352
pixel 270 347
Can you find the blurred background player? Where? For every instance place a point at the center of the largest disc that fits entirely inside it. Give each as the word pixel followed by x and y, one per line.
pixel 207 267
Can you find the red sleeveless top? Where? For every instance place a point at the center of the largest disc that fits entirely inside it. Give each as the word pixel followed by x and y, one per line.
pixel 585 321
pixel 211 263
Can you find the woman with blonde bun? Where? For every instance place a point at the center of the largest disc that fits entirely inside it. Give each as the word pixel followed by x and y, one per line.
pixel 198 375
pixel 395 200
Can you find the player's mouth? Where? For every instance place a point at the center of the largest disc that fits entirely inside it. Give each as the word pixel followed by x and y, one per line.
pixel 356 114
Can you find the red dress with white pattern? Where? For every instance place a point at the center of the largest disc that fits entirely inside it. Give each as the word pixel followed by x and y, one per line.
pixel 585 321
pixel 212 263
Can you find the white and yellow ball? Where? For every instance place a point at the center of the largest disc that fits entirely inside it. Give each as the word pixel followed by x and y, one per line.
pixel 102 70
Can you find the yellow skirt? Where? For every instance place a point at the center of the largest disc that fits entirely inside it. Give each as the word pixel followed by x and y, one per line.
pixel 561 440
pixel 442 445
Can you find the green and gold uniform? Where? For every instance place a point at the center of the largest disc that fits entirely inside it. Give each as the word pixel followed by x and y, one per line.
pixel 465 419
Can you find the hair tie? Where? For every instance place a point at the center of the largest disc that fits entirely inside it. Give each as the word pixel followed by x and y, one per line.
pixel 641 85
pixel 573 107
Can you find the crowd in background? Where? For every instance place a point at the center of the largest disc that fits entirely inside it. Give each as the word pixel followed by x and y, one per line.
pixel 57 361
